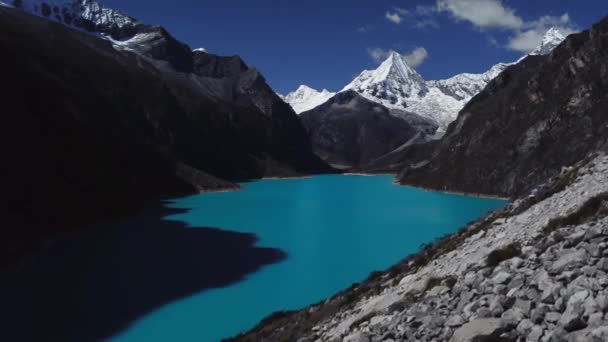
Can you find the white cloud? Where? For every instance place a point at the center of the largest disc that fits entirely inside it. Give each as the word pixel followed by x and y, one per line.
pixel 416 57
pixel 413 58
pixel 401 11
pixel 426 23
pixel 531 36
pixel 378 54
pixel 394 17
pixel 481 13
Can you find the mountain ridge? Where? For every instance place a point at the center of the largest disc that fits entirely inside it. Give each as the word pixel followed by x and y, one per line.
pixel 396 85
pixel 101 143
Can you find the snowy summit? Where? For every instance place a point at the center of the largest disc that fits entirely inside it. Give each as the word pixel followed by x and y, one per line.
pixel 306 98
pixel 397 85
pixel 550 41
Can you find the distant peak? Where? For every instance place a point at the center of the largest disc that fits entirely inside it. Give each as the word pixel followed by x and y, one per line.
pixel 552 38
pixel 304 87
pixel 305 98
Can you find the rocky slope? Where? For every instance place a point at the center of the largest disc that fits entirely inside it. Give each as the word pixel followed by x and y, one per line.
pixel 535 118
pixel 88 144
pixel 349 130
pixel 533 271
pixel 306 98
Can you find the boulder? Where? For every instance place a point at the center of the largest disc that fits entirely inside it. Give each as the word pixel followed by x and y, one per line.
pixel 477 329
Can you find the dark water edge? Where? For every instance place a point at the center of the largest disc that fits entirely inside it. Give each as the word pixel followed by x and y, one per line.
pixel 92 284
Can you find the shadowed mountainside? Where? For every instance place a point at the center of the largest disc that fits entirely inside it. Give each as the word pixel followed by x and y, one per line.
pixel 350 130
pixel 93 131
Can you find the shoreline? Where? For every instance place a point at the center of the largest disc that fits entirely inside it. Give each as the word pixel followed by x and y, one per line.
pixel 459 193
pixel 286 177
pixel 362 174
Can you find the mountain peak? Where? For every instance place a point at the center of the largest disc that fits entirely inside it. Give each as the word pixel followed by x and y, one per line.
pixel 306 98
pixel 391 83
pixel 87 15
pixel 552 38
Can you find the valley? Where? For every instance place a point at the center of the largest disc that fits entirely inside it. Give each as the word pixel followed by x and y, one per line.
pixel 154 191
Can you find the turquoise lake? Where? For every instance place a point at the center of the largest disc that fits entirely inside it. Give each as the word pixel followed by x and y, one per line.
pixel 334 230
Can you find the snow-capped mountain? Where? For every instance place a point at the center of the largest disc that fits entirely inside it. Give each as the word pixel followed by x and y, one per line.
pixel 551 40
pixel 393 83
pixel 306 98
pixel 86 15
pixel 122 31
pixel 396 85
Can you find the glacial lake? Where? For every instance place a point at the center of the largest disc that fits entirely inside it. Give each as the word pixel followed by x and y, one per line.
pixel 209 266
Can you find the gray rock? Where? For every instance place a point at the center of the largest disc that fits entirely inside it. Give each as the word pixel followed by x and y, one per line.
pixel 536 333
pixel 538 314
pixel 496 306
pixel 477 329
pixel 603 264
pixel 501 278
pixel 596 320
pixel 455 321
pixel 512 317
pixel 600 333
pixel 524 305
pixel 572 318
pixel 591 306
pixel 552 317
pixel 357 337
pixel 483 312
pixel 524 327
pixel 602 302
pixel 569 258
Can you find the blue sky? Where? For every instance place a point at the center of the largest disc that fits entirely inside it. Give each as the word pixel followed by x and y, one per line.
pixel 324 44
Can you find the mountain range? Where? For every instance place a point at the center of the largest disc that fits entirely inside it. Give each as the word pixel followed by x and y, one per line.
pixel 151 119
pixel 397 85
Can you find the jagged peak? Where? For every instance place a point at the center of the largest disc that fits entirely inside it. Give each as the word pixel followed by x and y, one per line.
pixel 305 98
pixel 552 38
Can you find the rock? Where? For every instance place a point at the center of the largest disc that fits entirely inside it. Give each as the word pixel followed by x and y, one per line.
pixel 524 305
pixel 512 317
pixel 590 306
pixel 496 307
pixel 600 333
pixel 603 264
pixel 596 320
pixel 552 317
pixel 516 263
pixel 501 278
pixel 536 332
pixel 476 330
pixel 455 321
pixel 437 290
pixel 572 318
pixel 483 312
pixel 357 337
pixel 576 237
pixel 602 302
pixel 524 327
pixel 569 258
pixel 538 314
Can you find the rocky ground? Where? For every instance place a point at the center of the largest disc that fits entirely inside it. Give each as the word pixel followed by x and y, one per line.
pixel 535 271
